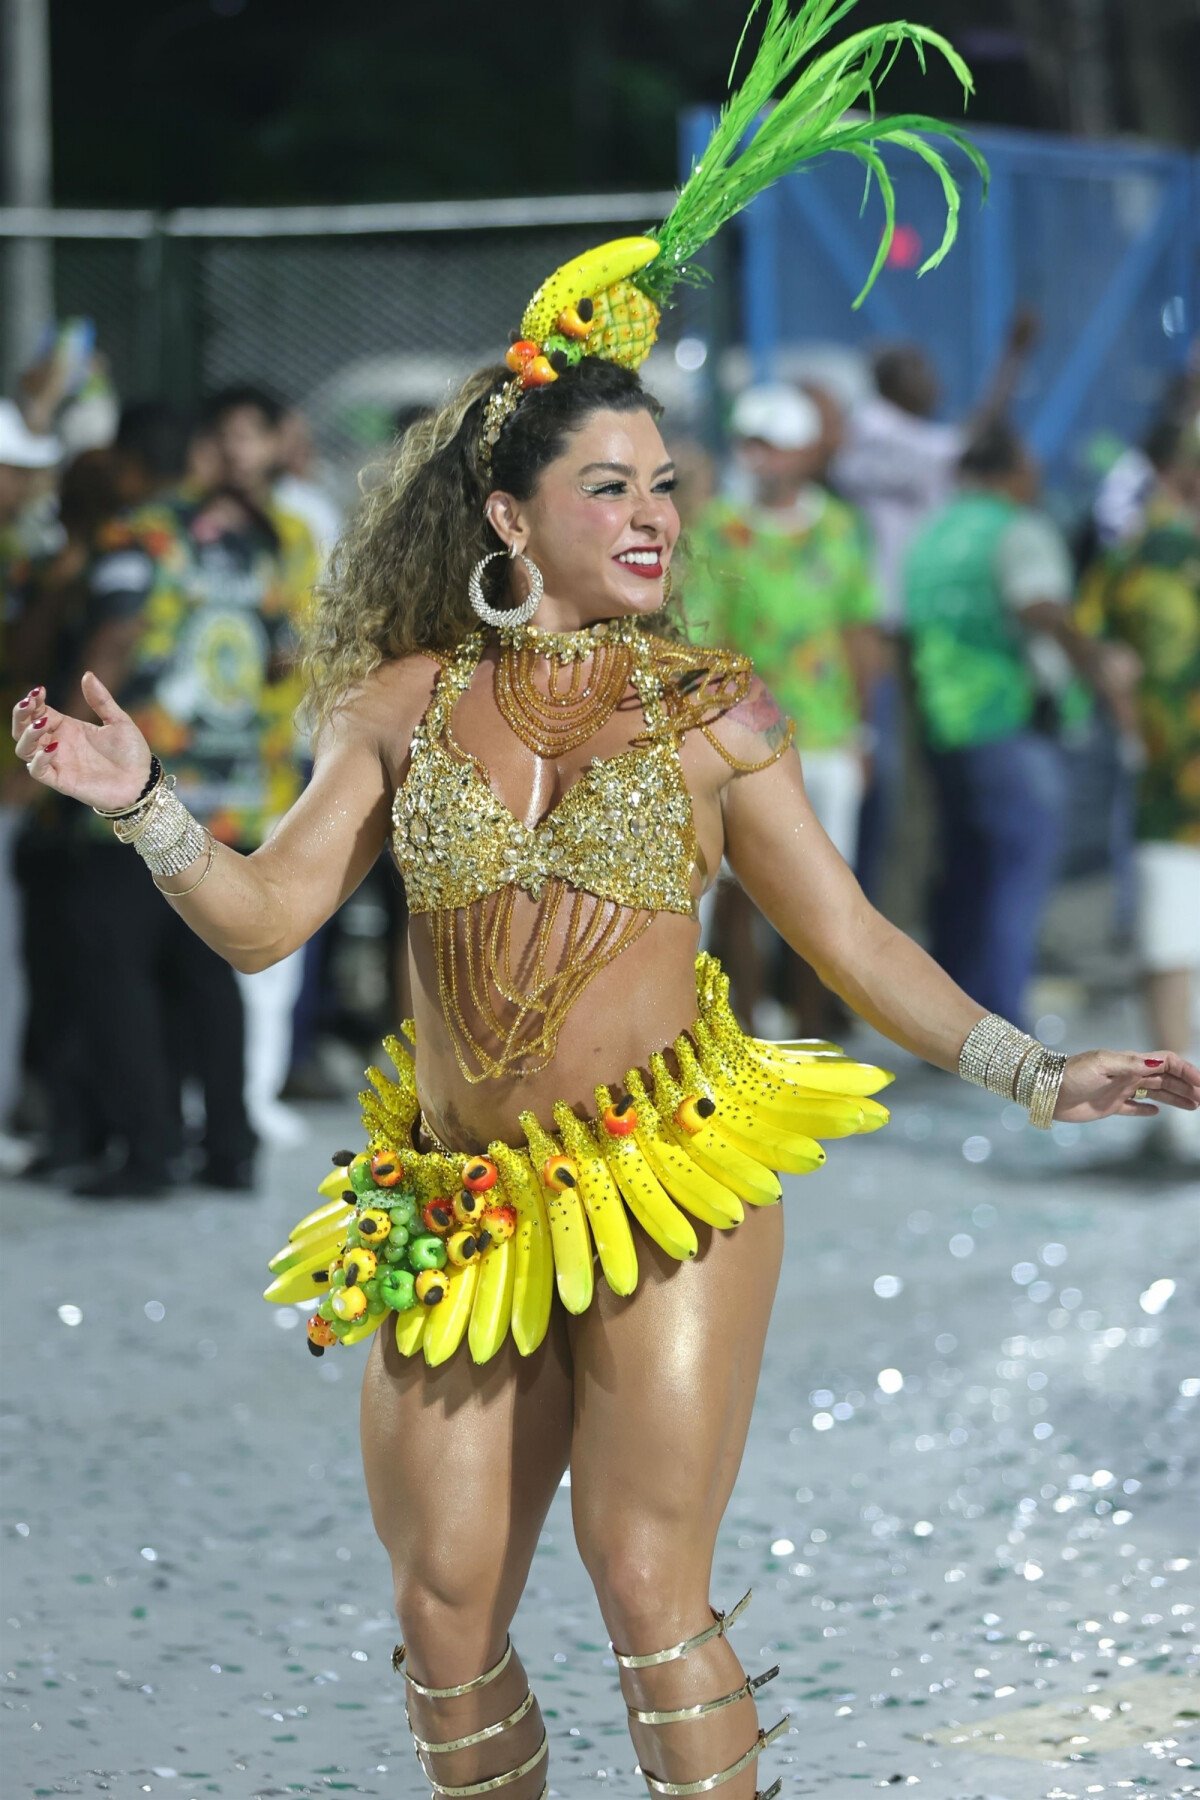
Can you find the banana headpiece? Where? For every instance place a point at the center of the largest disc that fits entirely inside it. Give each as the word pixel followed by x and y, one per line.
pixel 608 301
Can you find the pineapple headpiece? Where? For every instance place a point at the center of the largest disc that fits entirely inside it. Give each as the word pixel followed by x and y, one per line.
pixel 608 301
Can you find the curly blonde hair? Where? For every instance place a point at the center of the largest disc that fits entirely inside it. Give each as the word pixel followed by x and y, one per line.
pixel 397 579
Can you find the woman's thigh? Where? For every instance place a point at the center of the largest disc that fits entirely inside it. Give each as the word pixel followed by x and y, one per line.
pixel 461 1465
pixel 664 1389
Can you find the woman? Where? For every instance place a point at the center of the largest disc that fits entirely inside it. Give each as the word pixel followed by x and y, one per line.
pixel 557 803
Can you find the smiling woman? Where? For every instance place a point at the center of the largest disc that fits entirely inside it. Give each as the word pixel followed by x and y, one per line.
pixel 563 1236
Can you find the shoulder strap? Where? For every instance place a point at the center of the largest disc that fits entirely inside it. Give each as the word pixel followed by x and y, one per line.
pixel 455 669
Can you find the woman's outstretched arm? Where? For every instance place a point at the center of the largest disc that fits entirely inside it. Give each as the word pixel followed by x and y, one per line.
pixel 252 910
pixel 779 852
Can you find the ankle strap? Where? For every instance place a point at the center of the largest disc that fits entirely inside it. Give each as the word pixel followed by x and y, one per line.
pixel 711 1781
pixel 449 1693
pixel 681 1713
pixel 720 1625
pixel 473 1737
pixel 494 1781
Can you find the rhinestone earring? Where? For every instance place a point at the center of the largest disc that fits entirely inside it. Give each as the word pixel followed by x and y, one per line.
pixel 509 616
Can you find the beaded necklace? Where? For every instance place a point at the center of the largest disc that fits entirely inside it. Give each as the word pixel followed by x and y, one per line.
pixel 587 674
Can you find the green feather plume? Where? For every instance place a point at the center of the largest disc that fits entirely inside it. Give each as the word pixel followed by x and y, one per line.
pixel 809 118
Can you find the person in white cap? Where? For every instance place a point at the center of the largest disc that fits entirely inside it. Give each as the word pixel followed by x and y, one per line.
pixel 23 455
pixel 785 577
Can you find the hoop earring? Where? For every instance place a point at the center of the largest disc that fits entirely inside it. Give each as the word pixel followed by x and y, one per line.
pixel 666 584
pixel 510 616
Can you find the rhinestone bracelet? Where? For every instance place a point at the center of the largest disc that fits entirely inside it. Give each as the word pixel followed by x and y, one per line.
pixel 993 1054
pixel 1046 1085
pixel 1014 1066
pixel 164 834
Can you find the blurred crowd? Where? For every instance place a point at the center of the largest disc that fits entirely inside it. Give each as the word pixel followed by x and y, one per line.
pixel 916 609
pixel 894 577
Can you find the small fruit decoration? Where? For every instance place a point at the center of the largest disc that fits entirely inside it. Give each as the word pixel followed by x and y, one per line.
pixel 799 99
pixel 588 307
pixel 377 1246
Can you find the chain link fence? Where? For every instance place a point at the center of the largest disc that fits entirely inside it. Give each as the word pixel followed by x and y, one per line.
pixel 352 313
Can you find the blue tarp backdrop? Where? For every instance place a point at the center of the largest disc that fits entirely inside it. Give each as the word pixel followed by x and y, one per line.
pixel 1101 239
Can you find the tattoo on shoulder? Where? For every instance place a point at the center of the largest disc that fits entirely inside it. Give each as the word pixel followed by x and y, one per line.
pixel 759 712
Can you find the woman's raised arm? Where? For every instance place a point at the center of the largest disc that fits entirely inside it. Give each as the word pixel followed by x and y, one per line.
pixel 252 910
pixel 782 857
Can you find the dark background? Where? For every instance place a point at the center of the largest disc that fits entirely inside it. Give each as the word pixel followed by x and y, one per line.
pixel 258 101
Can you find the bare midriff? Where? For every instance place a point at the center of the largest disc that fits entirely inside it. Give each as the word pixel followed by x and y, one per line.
pixel 637 1004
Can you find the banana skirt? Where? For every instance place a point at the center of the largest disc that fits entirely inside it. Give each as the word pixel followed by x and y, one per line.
pixel 440 1248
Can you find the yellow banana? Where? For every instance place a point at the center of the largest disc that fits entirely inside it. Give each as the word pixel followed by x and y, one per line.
pixel 491 1310
pixel 569 1232
pixel 533 1253
pixel 364 1328
pixel 783 1101
pixel 642 1191
pixel 331 1188
pixel 602 1203
pixel 315 1244
pixel 447 1321
pixel 823 1115
pixel 333 1212
pixel 583 278
pixel 410 1329
pixel 822 1074
pixel 815 1063
pixel 814 1115
pixel 743 1104
pixel 705 1197
pixel 299 1283
pixel 749 1179
pixel 327 1223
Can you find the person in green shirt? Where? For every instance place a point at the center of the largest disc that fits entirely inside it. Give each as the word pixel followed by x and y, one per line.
pixel 988 584
pixel 784 576
pixel 1146 595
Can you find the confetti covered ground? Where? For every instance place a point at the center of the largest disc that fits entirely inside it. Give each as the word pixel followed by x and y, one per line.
pixel 968 1506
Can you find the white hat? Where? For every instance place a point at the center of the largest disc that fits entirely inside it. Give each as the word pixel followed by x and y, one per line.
pixel 21 448
pixel 781 416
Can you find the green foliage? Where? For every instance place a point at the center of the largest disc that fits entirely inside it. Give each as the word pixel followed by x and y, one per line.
pixel 813 115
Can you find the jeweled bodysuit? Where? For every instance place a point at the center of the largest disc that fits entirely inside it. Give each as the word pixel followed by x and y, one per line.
pixel 456 1247
pixel 617 848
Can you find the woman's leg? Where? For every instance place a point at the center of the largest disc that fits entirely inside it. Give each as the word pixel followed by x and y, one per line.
pixel 462 1463
pixel 664 1388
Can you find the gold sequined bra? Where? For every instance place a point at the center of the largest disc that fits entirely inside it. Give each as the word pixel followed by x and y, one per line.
pixel 617 848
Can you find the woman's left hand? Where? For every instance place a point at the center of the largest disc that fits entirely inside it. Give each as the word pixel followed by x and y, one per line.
pixel 1100 1084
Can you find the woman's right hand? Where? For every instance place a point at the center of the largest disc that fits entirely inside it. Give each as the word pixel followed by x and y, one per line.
pixel 105 765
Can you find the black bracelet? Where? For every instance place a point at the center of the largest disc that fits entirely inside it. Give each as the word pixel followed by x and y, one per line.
pixel 152 781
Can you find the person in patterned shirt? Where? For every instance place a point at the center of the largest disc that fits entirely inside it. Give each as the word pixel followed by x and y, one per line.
pixel 196 601
pixel 1147 595
pixel 785 577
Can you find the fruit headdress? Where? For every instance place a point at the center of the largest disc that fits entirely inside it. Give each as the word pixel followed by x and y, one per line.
pixel 608 301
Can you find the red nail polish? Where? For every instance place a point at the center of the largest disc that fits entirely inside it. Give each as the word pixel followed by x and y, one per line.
pixel 53 746
pixel 38 723
pixel 1155 1062
pixel 21 704
pixel 34 692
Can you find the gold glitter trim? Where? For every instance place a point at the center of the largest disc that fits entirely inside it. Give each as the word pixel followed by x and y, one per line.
pixel 499 410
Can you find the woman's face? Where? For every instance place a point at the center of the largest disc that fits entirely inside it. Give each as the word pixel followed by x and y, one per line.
pixel 601 524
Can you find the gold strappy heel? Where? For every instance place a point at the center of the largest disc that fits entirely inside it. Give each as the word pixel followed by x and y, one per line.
pixel 425 1748
pixel 681 1714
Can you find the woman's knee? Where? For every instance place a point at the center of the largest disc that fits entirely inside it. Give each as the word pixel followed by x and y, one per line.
pixel 647 1583
pixel 450 1634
